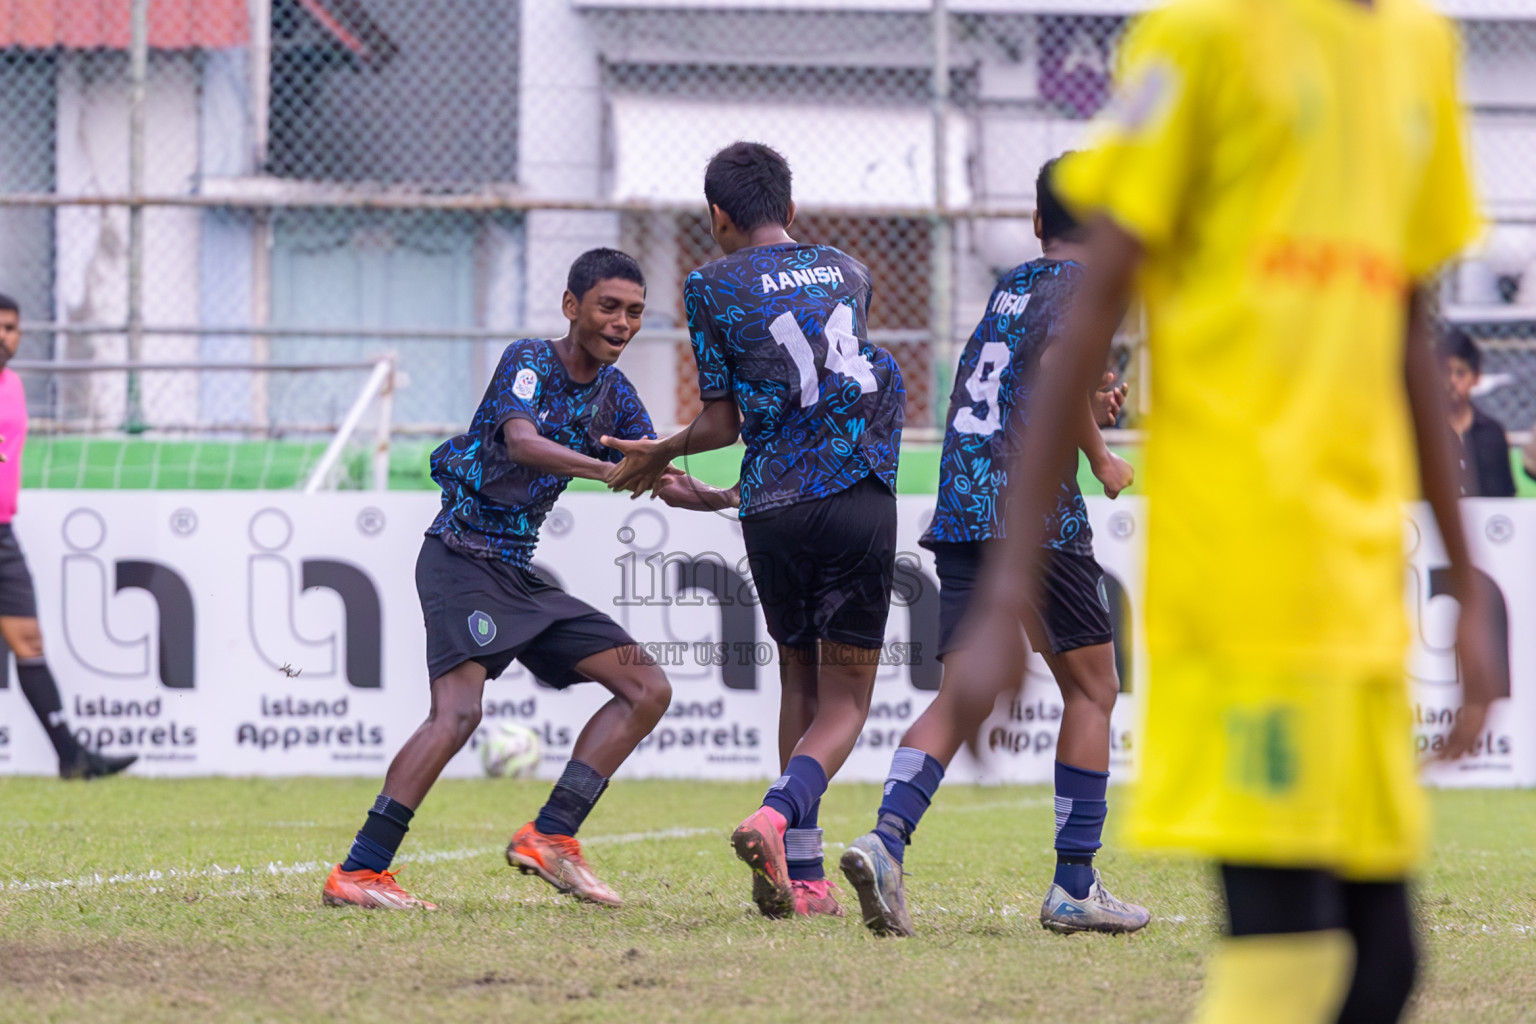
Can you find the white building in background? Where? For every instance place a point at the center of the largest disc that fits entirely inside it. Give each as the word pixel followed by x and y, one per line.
pixel 64 76
pixel 842 88
pixel 563 100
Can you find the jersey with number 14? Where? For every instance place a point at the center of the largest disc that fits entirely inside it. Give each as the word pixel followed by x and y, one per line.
pixel 781 328
pixel 989 406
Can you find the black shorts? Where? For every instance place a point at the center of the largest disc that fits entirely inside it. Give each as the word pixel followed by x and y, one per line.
pixel 1074 609
pixel 17 598
pixel 493 613
pixel 823 569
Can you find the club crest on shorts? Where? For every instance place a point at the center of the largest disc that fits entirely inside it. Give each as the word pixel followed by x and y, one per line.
pixel 481 628
pixel 525 383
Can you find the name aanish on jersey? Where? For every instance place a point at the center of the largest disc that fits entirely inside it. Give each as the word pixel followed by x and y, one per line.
pixel 796 278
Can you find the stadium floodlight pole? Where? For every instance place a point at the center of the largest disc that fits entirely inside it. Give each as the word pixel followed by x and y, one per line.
pixel 138 74
pixel 940 228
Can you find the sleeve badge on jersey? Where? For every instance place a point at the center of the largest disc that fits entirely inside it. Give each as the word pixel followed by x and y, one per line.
pixel 525 384
pixel 1143 97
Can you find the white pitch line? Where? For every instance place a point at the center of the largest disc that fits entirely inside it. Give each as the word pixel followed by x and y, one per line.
pixel 1000 805
pixel 279 868
pixel 306 867
pixel 663 833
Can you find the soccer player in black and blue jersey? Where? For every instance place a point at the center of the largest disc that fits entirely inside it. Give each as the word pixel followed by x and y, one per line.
pixel 1070 626
pixel 538 427
pixel 779 332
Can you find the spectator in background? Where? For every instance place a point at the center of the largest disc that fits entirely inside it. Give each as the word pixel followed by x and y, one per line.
pixel 1481 444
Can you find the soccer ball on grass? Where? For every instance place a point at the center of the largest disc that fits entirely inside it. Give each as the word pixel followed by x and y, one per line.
pixel 509 750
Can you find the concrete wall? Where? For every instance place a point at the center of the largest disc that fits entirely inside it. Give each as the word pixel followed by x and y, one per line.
pixel 561 124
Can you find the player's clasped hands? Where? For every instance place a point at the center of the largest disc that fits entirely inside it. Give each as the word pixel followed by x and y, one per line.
pixel 677 488
pixel 1108 400
pixel 642 468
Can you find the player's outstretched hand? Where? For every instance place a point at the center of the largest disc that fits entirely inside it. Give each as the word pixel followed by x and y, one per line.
pixel 680 490
pixel 642 468
pixel 1478 653
pixel 1114 473
pixel 1108 400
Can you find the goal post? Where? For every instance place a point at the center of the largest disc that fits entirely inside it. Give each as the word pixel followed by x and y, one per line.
pixel 378 388
pixel 210 425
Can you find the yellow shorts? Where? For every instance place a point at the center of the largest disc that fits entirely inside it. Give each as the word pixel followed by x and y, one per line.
pixel 1270 767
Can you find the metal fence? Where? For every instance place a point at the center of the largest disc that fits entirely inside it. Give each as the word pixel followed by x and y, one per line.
pixel 320 181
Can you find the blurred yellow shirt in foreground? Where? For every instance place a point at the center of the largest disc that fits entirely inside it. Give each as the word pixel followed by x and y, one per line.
pixel 1290 166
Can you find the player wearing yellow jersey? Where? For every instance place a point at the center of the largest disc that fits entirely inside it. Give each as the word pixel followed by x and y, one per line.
pixel 1279 178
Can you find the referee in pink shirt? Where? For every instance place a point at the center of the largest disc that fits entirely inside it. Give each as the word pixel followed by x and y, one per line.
pixel 18 602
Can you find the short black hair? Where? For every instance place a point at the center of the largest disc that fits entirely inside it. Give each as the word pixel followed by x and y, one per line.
pixel 596 265
pixel 9 305
pixel 1456 343
pixel 1055 221
pixel 751 183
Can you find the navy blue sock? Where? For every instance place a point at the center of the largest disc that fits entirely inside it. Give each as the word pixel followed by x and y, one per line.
pixel 375 845
pixel 1080 810
pixel 798 790
pixel 572 799
pixel 909 789
pixel 802 848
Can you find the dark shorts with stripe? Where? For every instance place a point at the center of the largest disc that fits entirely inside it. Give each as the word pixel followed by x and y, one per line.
pixel 1073 611
pixel 494 613
pixel 17 598
pixel 823 569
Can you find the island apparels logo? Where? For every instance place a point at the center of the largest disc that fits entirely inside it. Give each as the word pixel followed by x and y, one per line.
pixel 356 652
pixel 651 576
pixel 93 616
pixel 87 616
pixel 276 583
pixel 690 589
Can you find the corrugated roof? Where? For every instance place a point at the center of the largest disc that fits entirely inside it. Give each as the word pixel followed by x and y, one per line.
pixel 104 24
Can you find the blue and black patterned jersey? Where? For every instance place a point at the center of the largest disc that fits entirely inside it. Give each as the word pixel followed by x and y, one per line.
pixel 782 328
pixel 493 507
pixel 989 406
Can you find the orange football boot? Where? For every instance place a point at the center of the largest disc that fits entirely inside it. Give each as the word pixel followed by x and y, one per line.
pixel 759 843
pixel 373 889
pixel 558 860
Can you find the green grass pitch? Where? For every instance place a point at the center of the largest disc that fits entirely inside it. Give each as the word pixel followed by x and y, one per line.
pixel 156 900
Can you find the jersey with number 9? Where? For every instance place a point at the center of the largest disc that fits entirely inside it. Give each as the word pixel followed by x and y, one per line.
pixel 783 330
pixel 989 405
